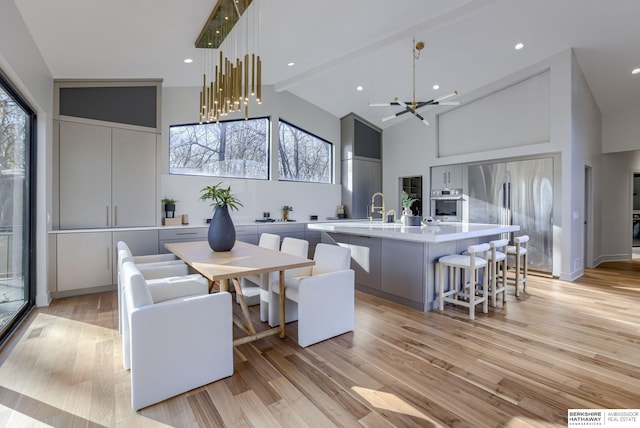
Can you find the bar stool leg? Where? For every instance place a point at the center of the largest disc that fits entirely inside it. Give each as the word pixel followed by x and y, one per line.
pixel 485 291
pixel 524 275
pixel 441 284
pixel 517 281
pixel 472 294
pixel 504 281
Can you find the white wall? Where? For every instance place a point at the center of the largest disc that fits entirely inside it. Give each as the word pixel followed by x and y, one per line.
pixel 20 60
pixel 621 131
pixel 586 151
pixel 410 149
pixel 179 106
pixel 618 169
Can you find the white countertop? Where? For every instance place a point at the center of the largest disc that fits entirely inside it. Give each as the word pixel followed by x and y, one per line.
pixel 439 232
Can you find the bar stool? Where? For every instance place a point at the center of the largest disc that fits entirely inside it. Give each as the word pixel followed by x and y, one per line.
pixel 498 270
pixel 519 251
pixel 458 266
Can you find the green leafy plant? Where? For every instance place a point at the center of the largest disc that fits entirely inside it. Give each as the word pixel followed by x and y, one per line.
pixel 220 196
pixel 169 201
pixel 406 200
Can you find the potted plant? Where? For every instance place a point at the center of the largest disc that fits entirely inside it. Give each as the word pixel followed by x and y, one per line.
pixel 169 207
pixel 222 233
pixel 406 207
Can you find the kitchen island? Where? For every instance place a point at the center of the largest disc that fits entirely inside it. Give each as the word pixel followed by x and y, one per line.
pixel 397 262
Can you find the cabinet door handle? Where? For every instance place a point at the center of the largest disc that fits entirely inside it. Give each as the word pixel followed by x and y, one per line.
pixel 108 258
pixel 115 215
pixel 186 233
pixel 107 215
pixel 448 177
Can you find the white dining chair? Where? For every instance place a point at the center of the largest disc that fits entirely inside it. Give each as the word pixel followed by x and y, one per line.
pixel 252 285
pixel 174 340
pixel 324 296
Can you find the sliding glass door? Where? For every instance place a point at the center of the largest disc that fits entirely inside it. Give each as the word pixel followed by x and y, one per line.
pixel 17 150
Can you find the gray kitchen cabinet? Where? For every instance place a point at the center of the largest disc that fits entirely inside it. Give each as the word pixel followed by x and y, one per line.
pixel 365 258
pixel 247 233
pixel 290 229
pixel 187 234
pixel 402 265
pixel 140 242
pixel 84 260
pixel 446 177
pixel 314 237
pixel 107 177
pixel 361 165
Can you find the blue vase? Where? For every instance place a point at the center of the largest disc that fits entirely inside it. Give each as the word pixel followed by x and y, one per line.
pixel 222 233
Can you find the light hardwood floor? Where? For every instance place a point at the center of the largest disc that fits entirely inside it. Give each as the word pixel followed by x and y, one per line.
pixel 561 346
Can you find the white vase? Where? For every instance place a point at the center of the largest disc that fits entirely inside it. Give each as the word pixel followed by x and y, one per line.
pixel 405 213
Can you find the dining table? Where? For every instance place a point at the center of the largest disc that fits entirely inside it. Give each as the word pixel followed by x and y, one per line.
pixel 225 267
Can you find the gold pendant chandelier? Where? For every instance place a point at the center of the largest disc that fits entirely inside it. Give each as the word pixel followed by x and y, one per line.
pixel 234 81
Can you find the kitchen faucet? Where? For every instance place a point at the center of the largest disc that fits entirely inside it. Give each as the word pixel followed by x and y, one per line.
pixel 374 207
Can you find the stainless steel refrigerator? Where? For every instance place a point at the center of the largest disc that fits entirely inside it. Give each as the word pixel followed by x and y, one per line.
pixel 517 192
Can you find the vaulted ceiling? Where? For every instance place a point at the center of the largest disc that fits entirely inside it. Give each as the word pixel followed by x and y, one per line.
pixel 337 45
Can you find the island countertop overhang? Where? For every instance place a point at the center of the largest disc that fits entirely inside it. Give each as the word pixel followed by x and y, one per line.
pixel 431 234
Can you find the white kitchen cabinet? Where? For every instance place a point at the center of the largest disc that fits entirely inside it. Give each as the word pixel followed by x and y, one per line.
pixel 85 176
pixel 107 177
pixel 133 178
pixel 84 260
pixel 446 177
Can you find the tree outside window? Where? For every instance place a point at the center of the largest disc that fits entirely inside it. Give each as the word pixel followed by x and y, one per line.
pixel 303 156
pixel 235 149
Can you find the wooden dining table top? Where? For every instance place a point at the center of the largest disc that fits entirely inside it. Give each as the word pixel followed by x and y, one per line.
pixel 243 259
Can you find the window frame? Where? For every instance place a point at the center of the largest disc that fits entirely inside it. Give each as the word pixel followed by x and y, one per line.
pixel 267 149
pixel 29 238
pixel 331 155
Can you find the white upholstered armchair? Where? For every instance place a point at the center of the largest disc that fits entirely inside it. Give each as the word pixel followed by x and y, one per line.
pixel 322 299
pixel 174 342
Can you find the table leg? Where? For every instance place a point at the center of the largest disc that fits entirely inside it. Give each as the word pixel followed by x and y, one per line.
pixel 224 285
pixel 243 305
pixel 282 302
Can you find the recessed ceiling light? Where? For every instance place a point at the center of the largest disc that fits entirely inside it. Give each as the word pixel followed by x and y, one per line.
pixel 291 64
pixel 635 71
pixel 359 88
pixel 188 60
pixel 436 87
pixel 518 46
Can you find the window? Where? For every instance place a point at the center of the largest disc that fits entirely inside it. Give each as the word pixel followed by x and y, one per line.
pixel 236 149
pixel 17 191
pixel 303 157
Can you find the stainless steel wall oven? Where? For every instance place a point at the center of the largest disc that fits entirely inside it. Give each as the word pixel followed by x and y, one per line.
pixel 446 204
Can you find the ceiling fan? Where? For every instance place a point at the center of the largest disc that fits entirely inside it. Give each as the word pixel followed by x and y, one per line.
pixel 413 106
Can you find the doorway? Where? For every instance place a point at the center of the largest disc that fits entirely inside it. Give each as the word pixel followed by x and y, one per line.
pixel 413 187
pixel 588 211
pixel 635 216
